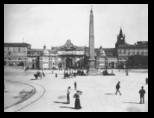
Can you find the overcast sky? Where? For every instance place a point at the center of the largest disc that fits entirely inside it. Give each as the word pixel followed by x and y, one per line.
pixel 53 24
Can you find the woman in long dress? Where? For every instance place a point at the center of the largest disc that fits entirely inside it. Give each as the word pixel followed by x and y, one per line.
pixel 77 100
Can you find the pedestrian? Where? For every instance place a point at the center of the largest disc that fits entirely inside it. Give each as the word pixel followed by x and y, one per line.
pixel 146 80
pixel 112 71
pixel 68 95
pixel 126 72
pixel 25 68
pixel 75 85
pixel 77 99
pixel 56 75
pixel 117 89
pixel 142 93
pixel 87 71
pixel 43 74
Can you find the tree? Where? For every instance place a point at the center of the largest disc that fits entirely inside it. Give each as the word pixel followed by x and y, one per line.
pixel 137 61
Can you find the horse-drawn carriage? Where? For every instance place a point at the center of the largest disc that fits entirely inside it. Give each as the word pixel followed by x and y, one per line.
pixel 39 74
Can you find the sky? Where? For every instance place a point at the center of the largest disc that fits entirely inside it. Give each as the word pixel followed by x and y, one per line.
pixel 53 24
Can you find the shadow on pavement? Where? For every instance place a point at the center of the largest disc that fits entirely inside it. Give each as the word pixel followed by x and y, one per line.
pixel 131 102
pixel 67 107
pixel 60 102
pixel 109 94
pixel 33 79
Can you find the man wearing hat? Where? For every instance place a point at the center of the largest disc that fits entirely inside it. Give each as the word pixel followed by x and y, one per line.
pixel 142 93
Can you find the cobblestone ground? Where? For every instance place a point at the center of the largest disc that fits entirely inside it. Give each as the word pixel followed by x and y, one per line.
pixel 98 91
pixel 15 92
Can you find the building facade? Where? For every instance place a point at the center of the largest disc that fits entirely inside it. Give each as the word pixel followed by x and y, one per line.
pixel 33 57
pixel 124 50
pixel 72 56
pixel 15 53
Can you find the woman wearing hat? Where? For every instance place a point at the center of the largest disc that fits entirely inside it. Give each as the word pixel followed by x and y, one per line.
pixel 77 99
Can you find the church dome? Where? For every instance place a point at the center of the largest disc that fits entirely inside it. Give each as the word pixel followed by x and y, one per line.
pixel 101 52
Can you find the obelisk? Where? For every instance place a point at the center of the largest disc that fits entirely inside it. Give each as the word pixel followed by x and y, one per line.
pixel 92 64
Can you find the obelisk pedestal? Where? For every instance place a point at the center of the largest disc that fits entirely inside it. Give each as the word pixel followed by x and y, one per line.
pixel 92 69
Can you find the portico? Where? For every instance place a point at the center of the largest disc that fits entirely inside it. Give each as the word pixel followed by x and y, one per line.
pixel 70 55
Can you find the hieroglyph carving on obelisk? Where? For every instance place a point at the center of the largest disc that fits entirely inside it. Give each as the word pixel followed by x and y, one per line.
pixel 91 36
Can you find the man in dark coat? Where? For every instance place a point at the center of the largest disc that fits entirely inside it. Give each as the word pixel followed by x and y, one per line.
pixel 75 85
pixel 117 88
pixel 142 93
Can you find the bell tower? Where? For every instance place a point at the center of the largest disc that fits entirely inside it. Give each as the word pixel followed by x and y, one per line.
pixel 120 39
